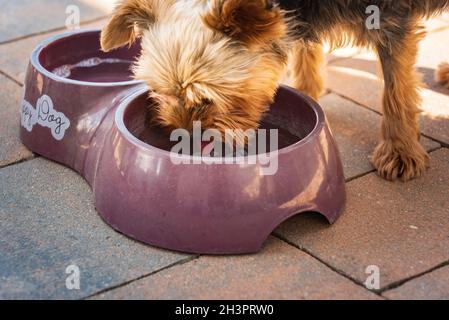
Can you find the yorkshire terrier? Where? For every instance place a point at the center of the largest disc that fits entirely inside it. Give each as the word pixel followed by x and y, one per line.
pixel 220 61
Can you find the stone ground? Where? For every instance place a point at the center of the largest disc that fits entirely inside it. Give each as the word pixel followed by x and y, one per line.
pixel 48 222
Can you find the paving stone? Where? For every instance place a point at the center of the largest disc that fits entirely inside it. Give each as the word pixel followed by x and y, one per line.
pixel 341 53
pixel 25 17
pixel 48 222
pixel 11 149
pixel 14 57
pixel 357 79
pixel 357 131
pixel 403 228
pixel 431 286
pixel 279 272
pixel 359 85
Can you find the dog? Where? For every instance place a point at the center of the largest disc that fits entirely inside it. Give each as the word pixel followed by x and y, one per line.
pixel 220 61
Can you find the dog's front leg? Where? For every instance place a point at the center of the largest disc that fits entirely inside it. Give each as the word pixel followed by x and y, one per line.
pixel 308 62
pixel 400 154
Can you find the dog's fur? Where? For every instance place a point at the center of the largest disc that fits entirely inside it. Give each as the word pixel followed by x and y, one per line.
pixel 220 61
pixel 442 74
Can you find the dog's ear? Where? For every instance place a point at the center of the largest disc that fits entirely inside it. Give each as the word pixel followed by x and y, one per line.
pixel 129 17
pixel 250 21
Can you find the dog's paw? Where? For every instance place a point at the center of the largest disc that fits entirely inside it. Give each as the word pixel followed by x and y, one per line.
pixel 442 74
pixel 396 160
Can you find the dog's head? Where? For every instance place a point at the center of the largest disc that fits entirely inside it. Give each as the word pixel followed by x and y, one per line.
pixel 216 61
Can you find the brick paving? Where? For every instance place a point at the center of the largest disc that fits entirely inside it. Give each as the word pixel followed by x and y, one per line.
pixel 48 220
pixel 280 271
pixel 11 149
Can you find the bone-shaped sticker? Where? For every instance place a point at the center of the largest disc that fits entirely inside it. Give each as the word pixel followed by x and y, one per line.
pixel 45 115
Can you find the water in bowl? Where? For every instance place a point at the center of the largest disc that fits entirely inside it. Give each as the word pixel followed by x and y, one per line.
pixel 159 138
pixel 97 70
pixel 293 122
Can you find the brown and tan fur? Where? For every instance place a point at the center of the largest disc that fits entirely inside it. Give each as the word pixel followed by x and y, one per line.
pixel 197 73
pixel 442 74
pixel 220 61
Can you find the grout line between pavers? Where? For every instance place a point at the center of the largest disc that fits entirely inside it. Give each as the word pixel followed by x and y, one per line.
pixel 402 282
pixel 336 270
pixel 436 149
pixel 9 77
pixel 349 180
pixel 31 35
pixel 442 143
pixel 33 157
pixel 361 175
pixel 177 263
pixel 356 102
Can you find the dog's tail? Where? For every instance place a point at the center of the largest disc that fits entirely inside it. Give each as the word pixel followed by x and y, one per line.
pixel 442 74
pixel 429 8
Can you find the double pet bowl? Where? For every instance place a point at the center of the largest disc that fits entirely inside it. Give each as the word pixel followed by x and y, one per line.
pixel 82 109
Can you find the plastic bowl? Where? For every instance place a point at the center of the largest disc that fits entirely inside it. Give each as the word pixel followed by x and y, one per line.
pixel 82 109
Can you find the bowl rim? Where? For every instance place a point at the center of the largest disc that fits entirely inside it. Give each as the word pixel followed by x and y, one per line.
pixel 41 69
pixel 127 135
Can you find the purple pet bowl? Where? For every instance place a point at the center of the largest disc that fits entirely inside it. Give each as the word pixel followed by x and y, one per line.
pixel 82 109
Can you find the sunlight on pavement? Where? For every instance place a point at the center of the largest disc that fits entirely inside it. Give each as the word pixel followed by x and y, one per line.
pixel 104 5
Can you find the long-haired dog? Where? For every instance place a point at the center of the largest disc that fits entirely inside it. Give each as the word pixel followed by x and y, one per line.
pixel 220 61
